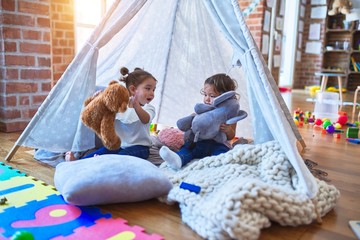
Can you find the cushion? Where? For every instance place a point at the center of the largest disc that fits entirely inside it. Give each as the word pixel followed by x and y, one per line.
pixel 110 179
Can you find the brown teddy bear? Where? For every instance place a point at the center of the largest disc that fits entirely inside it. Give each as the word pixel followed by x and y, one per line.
pixel 100 110
pixel 340 6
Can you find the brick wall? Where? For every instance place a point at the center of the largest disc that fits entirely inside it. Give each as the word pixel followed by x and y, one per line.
pixel 26 61
pixel 310 63
pixel 37 42
pixel 255 20
pixel 63 37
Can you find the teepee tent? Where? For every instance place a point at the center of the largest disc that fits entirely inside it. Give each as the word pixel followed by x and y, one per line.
pixel 181 42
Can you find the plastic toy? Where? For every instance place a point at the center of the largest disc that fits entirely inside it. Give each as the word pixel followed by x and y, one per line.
pixel 330 129
pixel 342 119
pixel 326 123
pixel 353 140
pixel 352 132
pixel 190 187
pixel 318 122
pixel 22 235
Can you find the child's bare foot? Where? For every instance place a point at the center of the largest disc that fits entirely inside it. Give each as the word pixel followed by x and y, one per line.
pixel 69 156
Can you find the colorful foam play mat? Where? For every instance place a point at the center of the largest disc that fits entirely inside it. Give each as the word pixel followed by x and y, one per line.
pixel 31 209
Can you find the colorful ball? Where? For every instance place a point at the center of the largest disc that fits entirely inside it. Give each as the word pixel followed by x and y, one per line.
pixel 296 121
pixel 326 123
pixel 338 126
pixel 318 122
pixel 342 119
pixel 22 235
pixel 330 129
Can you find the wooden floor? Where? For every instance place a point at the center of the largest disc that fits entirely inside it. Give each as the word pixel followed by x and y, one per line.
pixel 341 160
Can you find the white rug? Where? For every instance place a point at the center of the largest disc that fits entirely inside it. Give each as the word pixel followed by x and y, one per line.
pixel 242 191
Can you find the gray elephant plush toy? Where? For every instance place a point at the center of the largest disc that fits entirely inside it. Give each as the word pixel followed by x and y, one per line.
pixel 205 124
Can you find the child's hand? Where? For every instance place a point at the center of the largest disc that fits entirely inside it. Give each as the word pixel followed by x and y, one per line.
pixel 229 130
pixel 226 128
pixel 134 101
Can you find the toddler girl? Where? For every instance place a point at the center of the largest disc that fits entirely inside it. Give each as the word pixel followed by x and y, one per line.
pixel 214 86
pixel 133 125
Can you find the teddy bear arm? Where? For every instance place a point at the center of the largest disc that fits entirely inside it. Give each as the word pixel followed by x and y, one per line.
pixel 88 100
pixel 108 134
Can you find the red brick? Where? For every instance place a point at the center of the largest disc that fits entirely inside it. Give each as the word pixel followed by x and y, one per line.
pixel 33 8
pixel 10 47
pixel 35 48
pixel 12 87
pixel 8 5
pixel 43 22
pixel 46 87
pixel 35 74
pixel 12 60
pixel 31 34
pixel 46 37
pixel 44 62
pixel 11 74
pixel 11 101
pixel 18 19
pixel 13 126
pixel 24 100
pixel 11 33
pixel 28 113
pixel 64 25
pixel 11 113
pixel 38 99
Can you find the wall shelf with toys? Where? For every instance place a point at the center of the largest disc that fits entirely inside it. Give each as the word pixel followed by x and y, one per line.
pixel 342 51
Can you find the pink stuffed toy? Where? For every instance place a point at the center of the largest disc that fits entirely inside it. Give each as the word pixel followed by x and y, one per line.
pixel 173 138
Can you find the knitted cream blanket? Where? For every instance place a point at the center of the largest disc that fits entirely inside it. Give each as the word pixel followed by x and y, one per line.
pixel 243 190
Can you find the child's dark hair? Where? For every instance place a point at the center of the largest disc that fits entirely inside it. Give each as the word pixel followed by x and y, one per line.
pixel 222 83
pixel 135 77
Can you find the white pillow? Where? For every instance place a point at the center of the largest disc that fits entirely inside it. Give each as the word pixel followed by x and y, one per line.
pixel 109 179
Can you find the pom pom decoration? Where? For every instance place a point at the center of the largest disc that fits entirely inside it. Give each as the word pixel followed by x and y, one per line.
pixel 173 138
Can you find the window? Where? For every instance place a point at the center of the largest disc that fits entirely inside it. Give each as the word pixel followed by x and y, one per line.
pixel 87 15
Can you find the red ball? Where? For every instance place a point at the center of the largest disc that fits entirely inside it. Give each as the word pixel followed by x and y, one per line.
pixel 318 122
pixel 342 119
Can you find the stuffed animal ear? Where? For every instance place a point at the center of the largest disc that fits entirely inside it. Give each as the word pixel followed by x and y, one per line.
pixel 240 116
pixel 223 97
pixel 184 123
pixel 114 96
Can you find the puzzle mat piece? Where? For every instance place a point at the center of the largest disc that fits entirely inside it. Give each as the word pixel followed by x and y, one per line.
pixel 22 189
pixel 111 229
pixel 49 218
pixel 7 172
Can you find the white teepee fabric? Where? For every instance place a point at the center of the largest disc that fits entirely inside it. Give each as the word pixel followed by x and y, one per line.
pixel 181 42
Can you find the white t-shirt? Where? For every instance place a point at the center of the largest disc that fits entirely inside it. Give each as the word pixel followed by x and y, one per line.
pixel 131 130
